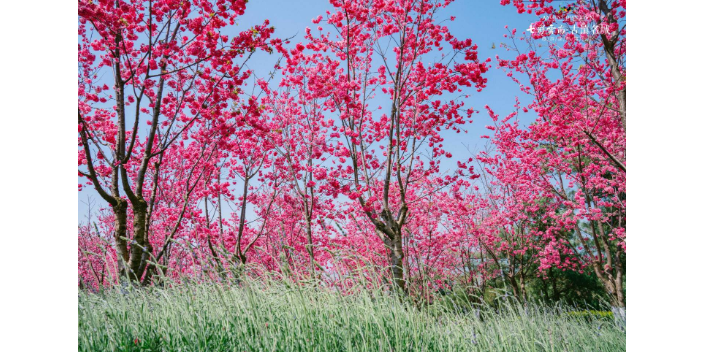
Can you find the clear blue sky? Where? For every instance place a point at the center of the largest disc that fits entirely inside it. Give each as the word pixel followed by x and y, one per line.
pixel 481 20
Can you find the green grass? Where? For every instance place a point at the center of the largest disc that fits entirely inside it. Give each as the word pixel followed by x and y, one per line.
pixel 280 317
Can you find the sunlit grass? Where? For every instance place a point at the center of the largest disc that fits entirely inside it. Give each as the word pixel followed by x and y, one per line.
pixel 279 317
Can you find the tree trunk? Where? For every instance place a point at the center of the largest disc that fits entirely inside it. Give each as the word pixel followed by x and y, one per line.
pixel 240 228
pixel 395 255
pixel 216 257
pixel 515 288
pixel 138 247
pixel 619 309
pixel 120 211
pixel 614 287
pixel 309 246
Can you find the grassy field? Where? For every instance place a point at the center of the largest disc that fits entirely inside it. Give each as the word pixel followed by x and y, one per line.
pixel 209 317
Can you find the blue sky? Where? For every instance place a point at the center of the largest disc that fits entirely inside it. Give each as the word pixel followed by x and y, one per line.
pixel 481 20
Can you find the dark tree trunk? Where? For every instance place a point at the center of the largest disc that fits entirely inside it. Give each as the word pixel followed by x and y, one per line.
pixel 309 246
pixel 138 247
pixel 394 247
pixel 120 211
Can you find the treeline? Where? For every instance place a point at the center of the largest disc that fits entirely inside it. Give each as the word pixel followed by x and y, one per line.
pixel 334 167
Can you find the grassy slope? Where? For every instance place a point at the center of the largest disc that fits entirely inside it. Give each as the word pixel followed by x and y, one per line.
pixel 279 318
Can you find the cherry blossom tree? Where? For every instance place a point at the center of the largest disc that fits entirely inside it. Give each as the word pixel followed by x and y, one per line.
pixel 568 167
pixel 301 134
pixel 172 69
pixel 385 48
